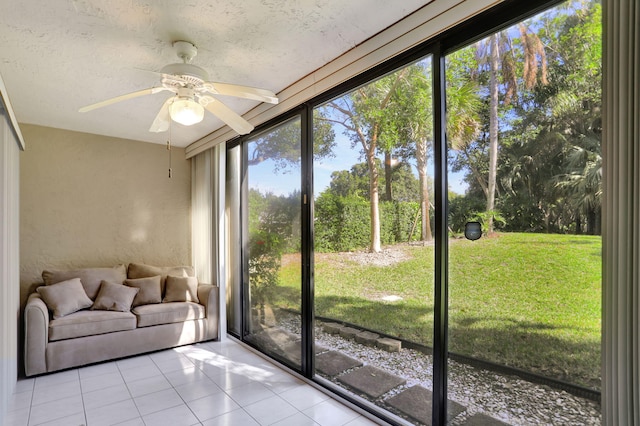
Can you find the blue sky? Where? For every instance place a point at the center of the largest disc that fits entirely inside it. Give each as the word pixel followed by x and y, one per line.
pixel 263 177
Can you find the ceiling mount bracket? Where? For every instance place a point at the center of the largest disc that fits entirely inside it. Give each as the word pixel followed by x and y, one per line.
pixel 185 50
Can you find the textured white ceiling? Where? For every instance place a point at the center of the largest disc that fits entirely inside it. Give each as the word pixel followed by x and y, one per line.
pixel 57 56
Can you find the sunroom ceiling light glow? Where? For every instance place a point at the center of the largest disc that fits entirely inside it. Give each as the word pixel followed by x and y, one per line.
pixel 186 111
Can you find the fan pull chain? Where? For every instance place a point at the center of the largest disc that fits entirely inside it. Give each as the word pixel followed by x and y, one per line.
pixel 169 149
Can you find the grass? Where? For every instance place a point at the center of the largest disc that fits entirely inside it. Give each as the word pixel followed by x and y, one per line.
pixel 530 301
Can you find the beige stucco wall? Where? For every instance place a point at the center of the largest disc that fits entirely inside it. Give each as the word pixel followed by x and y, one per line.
pixel 95 201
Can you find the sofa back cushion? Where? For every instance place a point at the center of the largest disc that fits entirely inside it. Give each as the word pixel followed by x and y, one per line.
pixel 90 277
pixel 139 270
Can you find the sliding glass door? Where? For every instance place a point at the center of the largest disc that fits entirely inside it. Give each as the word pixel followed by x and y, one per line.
pixel 424 240
pixel 271 241
pixel 525 184
pixel 374 248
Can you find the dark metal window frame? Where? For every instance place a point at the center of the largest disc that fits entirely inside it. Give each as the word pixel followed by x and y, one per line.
pixel 494 19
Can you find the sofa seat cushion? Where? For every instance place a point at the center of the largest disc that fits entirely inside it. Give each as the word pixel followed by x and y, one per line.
pixel 88 323
pixel 166 313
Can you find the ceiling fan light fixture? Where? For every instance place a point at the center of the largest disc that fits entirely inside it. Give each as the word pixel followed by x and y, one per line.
pixel 186 111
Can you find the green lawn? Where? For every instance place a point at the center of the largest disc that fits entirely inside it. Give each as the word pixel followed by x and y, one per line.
pixel 530 301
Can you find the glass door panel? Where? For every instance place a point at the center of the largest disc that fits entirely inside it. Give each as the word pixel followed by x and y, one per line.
pixel 525 172
pixel 374 253
pixel 272 242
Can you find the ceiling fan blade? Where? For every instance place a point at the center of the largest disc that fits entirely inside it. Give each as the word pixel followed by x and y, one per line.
pixel 262 95
pixel 121 98
pixel 161 122
pixel 230 117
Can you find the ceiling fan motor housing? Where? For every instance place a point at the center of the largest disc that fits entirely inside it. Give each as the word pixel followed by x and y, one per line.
pixel 186 71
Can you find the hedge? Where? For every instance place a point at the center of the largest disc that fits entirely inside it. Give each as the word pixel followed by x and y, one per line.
pixel 343 224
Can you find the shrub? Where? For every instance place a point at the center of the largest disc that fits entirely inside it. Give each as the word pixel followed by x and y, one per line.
pixel 344 223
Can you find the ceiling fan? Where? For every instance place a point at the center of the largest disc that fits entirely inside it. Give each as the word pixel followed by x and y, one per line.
pixel 192 95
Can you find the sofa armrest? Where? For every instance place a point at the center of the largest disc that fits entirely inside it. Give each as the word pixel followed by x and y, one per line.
pixel 36 335
pixel 209 296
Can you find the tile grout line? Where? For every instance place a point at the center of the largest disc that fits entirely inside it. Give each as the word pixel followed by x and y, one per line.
pixel 130 394
pixel 225 391
pixel 33 392
pixel 174 388
pixel 84 408
pixel 221 389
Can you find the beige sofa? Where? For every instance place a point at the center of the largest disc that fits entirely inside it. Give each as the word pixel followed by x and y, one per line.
pixel 85 316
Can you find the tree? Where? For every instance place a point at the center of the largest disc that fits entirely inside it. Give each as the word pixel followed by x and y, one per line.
pixel 499 54
pixel 351 183
pixel 576 112
pixel 282 145
pixel 363 114
pixel 415 125
pixel 550 162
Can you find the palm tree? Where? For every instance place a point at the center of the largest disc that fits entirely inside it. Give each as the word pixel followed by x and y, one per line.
pixel 582 184
pixel 502 58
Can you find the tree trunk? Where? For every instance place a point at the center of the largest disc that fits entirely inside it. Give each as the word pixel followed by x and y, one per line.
pixel 421 157
pixel 591 222
pixel 578 224
pixel 388 194
pixel 375 211
pixel 493 128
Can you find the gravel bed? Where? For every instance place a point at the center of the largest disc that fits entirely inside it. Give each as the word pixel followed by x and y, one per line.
pixel 508 398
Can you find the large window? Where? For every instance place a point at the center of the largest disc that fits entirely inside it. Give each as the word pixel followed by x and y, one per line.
pixel 266 302
pixel 374 241
pixel 355 261
pixel 525 163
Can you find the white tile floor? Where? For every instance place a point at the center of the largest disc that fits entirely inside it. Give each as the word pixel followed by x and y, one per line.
pixel 214 383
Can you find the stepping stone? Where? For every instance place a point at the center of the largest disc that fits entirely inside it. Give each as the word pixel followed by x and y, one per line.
pixel 415 402
pixel 349 332
pixel 317 349
pixel 367 338
pixel 333 363
pixel 389 345
pixel 276 337
pixel 371 381
pixel 332 327
pixel 279 342
pixel 480 419
pixel 292 352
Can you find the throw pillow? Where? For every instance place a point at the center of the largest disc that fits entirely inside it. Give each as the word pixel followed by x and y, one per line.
pixel 181 289
pixel 140 270
pixel 90 277
pixel 114 297
pixel 65 297
pixel 150 291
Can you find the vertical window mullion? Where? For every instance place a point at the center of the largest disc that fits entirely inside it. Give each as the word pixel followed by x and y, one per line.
pixel 244 238
pixel 440 332
pixel 308 338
